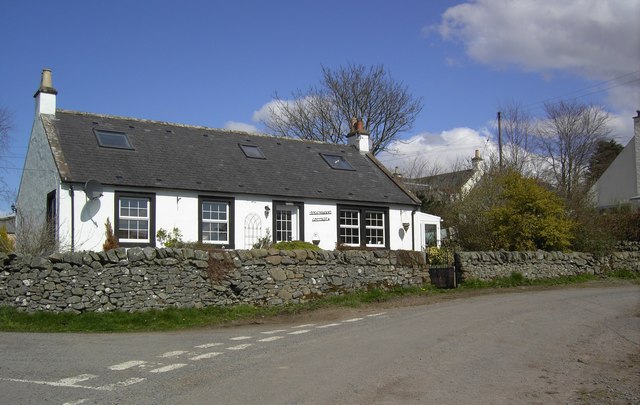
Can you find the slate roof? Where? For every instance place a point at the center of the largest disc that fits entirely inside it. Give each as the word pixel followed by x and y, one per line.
pixel 206 160
pixel 446 182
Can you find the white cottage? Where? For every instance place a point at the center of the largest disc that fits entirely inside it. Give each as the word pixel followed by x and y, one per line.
pixel 620 183
pixel 219 187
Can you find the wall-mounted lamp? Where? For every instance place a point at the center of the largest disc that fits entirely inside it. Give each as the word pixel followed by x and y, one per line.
pixel 267 210
pixel 315 239
pixel 405 226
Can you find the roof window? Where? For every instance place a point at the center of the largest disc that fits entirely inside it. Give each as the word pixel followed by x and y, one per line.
pixel 110 139
pixel 252 151
pixel 337 162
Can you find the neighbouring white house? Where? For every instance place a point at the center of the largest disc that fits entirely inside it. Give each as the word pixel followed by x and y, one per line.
pixel 218 187
pixel 451 186
pixel 620 183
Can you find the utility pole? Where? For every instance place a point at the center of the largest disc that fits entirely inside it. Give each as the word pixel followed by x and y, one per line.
pixel 500 139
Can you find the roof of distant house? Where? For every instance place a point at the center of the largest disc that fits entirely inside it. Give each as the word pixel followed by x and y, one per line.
pixel 446 182
pixel 157 154
pixel 9 222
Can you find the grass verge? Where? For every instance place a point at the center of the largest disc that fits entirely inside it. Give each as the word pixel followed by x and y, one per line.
pixel 187 318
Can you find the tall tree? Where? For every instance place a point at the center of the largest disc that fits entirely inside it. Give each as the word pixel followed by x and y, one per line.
pixel 517 133
pixel 568 136
pixel 605 153
pixel 354 91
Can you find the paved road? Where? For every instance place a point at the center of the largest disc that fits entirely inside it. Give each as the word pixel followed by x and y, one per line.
pixel 560 346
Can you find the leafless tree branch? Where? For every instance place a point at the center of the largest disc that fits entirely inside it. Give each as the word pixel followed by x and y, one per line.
pixel 323 113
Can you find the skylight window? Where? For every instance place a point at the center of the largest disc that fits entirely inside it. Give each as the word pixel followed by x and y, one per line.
pixel 252 151
pixel 110 139
pixel 337 162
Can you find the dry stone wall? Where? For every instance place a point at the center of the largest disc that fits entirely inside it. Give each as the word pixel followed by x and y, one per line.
pixel 140 279
pixel 537 265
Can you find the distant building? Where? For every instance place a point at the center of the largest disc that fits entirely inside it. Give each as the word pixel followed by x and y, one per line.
pixel 620 183
pixel 450 186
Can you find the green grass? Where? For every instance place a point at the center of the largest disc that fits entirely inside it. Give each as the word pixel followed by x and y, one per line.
pixel 188 318
pixel 518 280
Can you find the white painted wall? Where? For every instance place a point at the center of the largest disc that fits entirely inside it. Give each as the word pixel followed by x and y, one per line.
pixel 621 181
pixel 418 236
pixel 180 209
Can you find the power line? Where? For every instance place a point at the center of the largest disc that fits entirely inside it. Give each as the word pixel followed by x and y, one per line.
pixel 583 89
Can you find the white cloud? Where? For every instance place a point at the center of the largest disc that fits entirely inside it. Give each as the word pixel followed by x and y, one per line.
pixel 264 113
pixel 240 126
pixel 440 151
pixel 597 39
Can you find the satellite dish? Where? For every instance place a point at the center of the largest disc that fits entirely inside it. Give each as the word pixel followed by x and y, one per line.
pixel 93 189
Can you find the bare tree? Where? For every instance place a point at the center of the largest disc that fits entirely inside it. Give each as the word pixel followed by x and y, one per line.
pixel 517 131
pixel 568 136
pixel 323 112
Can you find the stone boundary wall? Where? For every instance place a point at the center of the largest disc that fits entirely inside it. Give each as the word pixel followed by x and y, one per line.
pixel 536 265
pixel 155 278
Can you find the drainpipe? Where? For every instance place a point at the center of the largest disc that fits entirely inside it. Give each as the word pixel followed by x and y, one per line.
pixel 73 221
pixel 413 230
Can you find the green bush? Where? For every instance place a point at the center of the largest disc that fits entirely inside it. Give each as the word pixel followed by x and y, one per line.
pixel 6 243
pixel 437 256
pixel 296 244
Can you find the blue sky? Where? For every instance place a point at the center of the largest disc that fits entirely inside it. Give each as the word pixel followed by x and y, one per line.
pixel 218 64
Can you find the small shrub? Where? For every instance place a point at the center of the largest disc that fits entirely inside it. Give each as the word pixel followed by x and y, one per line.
pixel 110 242
pixel 264 242
pixel 439 256
pixel 296 244
pixel 6 243
pixel 36 238
pixel 171 239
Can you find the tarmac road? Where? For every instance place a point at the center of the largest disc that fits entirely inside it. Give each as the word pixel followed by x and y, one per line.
pixel 575 345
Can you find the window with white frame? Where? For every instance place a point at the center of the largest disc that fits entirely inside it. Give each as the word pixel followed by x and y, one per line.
pixel 349 227
pixel 134 219
pixel 216 217
pixel 362 226
pixel 374 228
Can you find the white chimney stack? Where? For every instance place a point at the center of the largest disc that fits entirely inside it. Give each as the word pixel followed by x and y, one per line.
pixel 476 162
pixel 46 95
pixel 358 137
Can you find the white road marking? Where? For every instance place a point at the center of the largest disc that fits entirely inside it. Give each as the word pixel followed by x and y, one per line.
pixel 126 365
pixel 174 353
pixel 76 379
pixel 78 402
pixel 329 325
pixel 208 345
pixel 271 332
pixel 374 315
pixel 270 339
pixel 306 325
pixel 206 356
pixel 62 383
pixel 353 320
pixel 300 332
pixel 111 387
pixel 240 347
pixel 240 338
pixel 170 367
